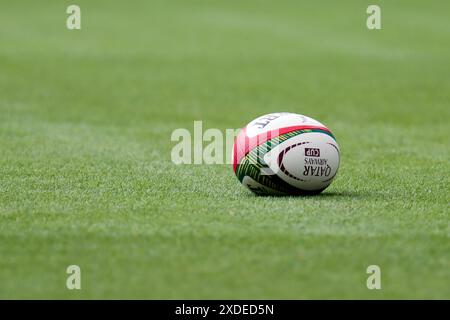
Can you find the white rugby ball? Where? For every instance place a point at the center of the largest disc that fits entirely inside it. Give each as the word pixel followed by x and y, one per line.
pixel 285 154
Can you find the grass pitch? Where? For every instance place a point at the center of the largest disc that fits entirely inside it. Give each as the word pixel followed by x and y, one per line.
pixel 85 170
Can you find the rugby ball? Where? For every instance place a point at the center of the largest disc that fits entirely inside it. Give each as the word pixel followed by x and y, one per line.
pixel 285 154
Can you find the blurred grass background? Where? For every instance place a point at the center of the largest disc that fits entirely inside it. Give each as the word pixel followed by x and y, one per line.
pixel 85 170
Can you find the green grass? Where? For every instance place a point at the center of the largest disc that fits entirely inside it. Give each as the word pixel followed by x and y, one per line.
pixel 85 171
